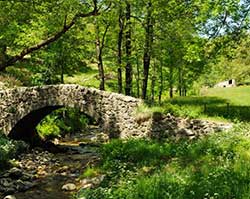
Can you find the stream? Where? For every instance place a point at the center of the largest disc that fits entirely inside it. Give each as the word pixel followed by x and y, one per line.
pixel 39 174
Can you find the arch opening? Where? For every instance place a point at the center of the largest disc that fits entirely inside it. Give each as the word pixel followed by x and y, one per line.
pixel 48 123
pixel 25 129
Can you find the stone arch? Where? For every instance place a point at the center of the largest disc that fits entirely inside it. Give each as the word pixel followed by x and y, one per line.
pixel 23 108
pixel 25 128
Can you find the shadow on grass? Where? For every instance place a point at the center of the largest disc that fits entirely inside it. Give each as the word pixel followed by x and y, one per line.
pixel 198 101
pixel 241 113
pixel 212 107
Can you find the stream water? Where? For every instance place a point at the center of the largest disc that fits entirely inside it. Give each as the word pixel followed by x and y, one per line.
pixel 47 172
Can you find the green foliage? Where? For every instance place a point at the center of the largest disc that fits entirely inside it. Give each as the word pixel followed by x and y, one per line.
pixel 48 129
pixel 214 167
pixel 232 64
pixel 61 122
pixel 9 149
pixel 133 152
pixel 90 172
pixel 6 148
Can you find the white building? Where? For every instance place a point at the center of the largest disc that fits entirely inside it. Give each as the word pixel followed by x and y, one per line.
pixel 226 84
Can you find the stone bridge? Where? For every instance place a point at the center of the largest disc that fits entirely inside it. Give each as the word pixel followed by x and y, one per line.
pixel 21 109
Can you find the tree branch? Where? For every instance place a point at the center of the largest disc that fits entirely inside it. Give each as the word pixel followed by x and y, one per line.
pixel 56 36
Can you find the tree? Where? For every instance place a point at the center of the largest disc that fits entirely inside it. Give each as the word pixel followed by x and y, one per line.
pixel 99 49
pixel 8 59
pixel 147 48
pixel 129 70
pixel 119 46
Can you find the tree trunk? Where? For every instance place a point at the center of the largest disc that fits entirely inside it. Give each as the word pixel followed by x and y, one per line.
pixel 171 92
pixel 161 83
pixel 62 74
pixel 153 83
pixel 99 58
pixel 129 70
pixel 147 49
pixel 180 81
pixel 119 51
pixel 171 83
pixel 137 76
pixel 3 56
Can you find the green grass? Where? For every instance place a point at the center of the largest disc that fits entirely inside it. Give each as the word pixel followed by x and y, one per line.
pixel 223 104
pixel 238 96
pixel 217 166
pixel 90 173
pixel 90 78
pixel 87 79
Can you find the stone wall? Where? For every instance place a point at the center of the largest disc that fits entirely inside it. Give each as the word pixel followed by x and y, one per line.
pixel 164 126
pixel 21 109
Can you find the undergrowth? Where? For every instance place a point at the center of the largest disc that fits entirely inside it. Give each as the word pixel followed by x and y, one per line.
pixel 9 149
pixel 61 122
pixel 215 167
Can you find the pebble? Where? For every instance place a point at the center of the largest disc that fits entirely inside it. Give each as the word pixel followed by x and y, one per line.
pixel 15 173
pixel 9 197
pixel 87 186
pixel 69 187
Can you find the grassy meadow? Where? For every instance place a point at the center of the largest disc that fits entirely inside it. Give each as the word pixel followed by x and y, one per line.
pixel 227 104
pixel 238 96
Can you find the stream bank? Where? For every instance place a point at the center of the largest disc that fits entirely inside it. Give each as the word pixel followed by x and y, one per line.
pixel 40 174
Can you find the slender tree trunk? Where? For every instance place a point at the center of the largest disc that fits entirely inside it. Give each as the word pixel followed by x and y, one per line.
pixel 185 92
pixel 147 49
pixel 153 83
pixel 171 92
pixel 129 70
pixel 137 76
pixel 3 56
pixel 119 50
pixel 99 58
pixel 171 83
pixel 62 74
pixel 161 83
pixel 180 81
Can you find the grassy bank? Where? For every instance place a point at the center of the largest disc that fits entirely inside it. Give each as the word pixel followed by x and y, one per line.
pixel 214 167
